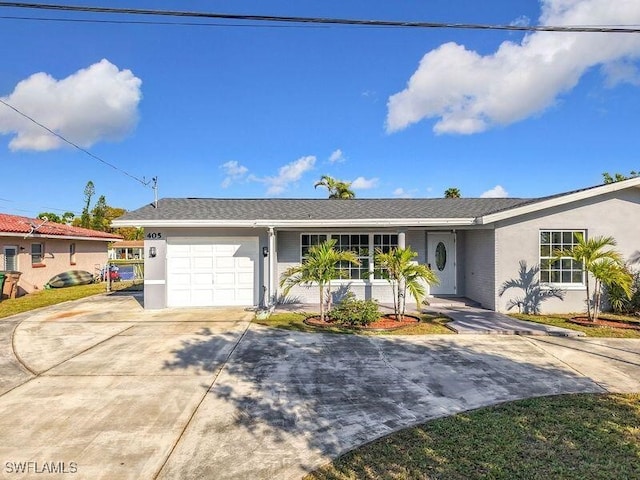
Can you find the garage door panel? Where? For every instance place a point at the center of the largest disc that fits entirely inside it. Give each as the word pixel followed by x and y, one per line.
pixel 225 262
pixel 212 271
pixel 181 279
pixel 181 250
pixel 202 279
pixel 179 263
pixel 226 250
pixel 202 263
pixel 225 279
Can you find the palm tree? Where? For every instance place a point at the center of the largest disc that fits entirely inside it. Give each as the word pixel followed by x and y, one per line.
pixel 398 268
pixel 452 193
pixel 337 188
pixel 605 265
pixel 320 266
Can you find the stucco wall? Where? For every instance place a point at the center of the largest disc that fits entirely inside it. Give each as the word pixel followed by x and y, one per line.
pixel 616 214
pixel 288 246
pixel 479 272
pixel 89 256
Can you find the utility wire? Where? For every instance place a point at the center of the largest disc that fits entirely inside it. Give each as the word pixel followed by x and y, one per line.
pixel 74 144
pixel 84 150
pixel 324 21
pixel 147 22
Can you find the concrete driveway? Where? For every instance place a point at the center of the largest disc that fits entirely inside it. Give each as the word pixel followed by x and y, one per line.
pixel 111 391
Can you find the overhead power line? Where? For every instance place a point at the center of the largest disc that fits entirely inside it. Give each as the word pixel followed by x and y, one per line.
pixel 84 150
pixel 324 21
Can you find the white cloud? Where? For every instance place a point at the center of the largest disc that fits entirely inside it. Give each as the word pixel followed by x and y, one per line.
pixel 521 21
pixel 470 93
pixel 233 171
pixel 288 174
pixel 93 104
pixel 362 183
pixel 337 156
pixel 496 192
pixel 402 193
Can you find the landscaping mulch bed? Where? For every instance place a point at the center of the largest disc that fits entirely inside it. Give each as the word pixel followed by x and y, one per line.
pixel 385 322
pixel 605 322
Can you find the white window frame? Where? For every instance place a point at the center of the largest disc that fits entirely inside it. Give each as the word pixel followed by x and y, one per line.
pixel 370 256
pixel 570 264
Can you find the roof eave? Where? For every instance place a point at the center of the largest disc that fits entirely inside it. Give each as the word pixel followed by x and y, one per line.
pixel 315 223
pixel 558 201
pixel 26 235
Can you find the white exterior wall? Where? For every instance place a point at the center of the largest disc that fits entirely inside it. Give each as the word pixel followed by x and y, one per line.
pixel 479 271
pixel 288 246
pixel 616 215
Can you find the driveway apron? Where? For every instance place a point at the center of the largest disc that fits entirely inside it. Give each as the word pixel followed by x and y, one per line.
pixel 117 392
pixel 112 390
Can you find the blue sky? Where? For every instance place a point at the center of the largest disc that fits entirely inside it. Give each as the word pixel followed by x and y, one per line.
pixel 245 110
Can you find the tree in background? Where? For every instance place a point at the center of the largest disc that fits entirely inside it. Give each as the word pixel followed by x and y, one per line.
pixel 452 192
pixel 337 188
pixel 99 215
pixel 85 218
pixel 65 218
pixel 618 177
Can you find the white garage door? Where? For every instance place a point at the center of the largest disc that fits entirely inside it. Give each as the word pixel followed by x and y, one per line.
pixel 216 271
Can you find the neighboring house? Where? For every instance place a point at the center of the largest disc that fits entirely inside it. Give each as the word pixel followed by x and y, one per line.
pixel 127 250
pixel 41 249
pixel 208 252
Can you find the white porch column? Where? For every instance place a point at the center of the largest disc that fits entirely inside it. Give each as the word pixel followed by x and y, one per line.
pixel 402 243
pixel 401 239
pixel 272 266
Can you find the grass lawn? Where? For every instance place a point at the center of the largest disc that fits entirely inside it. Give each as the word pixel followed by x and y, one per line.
pixel 44 298
pixel 562 321
pixel 429 324
pixel 566 437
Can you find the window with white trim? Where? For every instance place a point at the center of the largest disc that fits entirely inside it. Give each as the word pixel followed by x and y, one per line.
pixel 37 254
pixel 364 245
pixel 564 270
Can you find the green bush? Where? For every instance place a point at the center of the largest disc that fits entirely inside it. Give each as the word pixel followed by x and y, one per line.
pixel 619 301
pixel 351 312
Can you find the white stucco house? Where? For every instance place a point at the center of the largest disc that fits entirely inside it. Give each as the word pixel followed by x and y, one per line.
pixel 219 252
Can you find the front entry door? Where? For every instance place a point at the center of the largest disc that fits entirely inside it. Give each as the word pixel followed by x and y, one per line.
pixel 441 257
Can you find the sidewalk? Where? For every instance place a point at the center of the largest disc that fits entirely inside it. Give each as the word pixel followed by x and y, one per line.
pixel 474 321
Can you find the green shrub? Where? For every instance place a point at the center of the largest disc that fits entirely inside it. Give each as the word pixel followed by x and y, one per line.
pixel 619 301
pixel 351 312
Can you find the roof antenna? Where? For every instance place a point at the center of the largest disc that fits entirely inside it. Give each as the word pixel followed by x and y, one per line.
pixel 154 187
pixel 35 228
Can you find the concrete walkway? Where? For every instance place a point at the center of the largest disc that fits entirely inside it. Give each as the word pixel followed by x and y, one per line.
pixel 189 394
pixel 475 321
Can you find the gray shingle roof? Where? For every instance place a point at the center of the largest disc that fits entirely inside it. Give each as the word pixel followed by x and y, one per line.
pixel 321 209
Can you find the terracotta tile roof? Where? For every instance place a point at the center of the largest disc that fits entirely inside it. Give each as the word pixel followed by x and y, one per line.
pixel 24 226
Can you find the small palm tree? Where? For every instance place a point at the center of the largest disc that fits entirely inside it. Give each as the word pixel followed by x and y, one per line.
pixel 398 268
pixel 604 264
pixel 452 193
pixel 337 188
pixel 320 266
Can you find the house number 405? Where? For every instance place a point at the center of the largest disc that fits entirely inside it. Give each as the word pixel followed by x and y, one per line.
pixel 154 235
